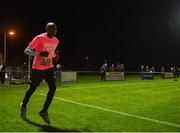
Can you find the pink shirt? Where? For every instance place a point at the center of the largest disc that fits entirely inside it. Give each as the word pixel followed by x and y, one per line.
pixel 43 43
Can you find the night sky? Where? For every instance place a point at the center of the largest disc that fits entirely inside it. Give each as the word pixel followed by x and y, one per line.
pixel 133 32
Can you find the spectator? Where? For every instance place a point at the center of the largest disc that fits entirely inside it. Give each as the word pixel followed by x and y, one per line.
pixel 105 63
pixel 173 70
pixel 103 71
pixel 147 69
pixel 178 71
pixel 141 71
pixel 24 71
pixel 118 67
pixel 162 72
pixel 58 70
pixel 142 68
pixel 2 73
pixel 152 69
pixel 122 68
pixel 112 68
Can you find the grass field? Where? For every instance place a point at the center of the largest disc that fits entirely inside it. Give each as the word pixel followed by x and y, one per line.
pixel 90 105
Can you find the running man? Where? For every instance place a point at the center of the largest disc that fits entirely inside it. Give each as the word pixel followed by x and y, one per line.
pixel 42 47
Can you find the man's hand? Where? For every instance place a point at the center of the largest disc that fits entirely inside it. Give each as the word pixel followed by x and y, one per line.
pixel 55 59
pixel 44 54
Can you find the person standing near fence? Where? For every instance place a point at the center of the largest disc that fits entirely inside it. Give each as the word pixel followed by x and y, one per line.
pixel 163 72
pixel 2 73
pixel 58 71
pixel 103 71
pixel 112 68
pixel 178 71
pixel 42 47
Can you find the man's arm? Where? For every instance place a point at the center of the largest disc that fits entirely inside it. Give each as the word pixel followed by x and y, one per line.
pixel 55 60
pixel 31 52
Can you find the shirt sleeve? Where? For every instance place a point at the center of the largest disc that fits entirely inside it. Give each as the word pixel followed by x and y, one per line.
pixel 34 43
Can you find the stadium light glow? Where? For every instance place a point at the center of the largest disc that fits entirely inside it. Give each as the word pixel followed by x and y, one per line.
pixel 11 33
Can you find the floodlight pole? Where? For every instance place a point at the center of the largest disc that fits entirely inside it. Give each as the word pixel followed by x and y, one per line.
pixel 5 40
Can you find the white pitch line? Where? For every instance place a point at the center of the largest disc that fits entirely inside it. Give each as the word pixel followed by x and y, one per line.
pixel 116 112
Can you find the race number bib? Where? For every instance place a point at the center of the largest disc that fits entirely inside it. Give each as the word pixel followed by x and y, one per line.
pixel 44 61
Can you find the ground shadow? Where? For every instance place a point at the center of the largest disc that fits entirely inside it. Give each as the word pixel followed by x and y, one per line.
pixel 49 128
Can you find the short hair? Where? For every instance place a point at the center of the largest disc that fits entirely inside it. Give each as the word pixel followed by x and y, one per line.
pixel 50 24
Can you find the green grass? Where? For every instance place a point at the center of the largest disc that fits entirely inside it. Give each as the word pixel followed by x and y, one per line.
pixel 94 106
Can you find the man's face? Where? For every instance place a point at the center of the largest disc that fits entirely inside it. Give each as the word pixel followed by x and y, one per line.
pixel 51 29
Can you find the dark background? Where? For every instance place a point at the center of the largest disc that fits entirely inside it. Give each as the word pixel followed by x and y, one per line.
pixel 133 32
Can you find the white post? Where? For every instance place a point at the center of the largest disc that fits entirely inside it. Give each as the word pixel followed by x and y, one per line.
pixel 29 67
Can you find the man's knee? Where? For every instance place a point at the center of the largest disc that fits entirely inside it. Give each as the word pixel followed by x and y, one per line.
pixel 33 86
pixel 52 85
pixel 52 88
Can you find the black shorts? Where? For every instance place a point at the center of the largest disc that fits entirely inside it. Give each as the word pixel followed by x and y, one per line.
pixel 38 75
